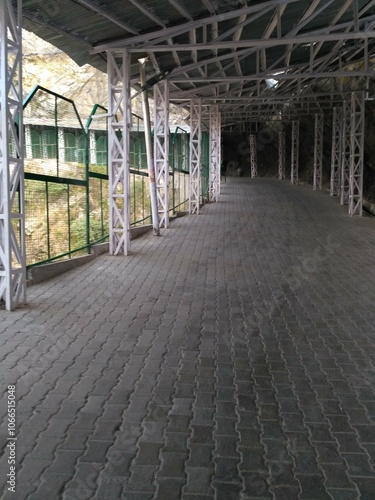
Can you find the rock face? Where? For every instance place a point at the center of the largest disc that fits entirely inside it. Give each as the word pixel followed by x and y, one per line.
pixel 45 65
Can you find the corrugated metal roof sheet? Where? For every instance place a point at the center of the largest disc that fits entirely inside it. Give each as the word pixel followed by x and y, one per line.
pixel 78 26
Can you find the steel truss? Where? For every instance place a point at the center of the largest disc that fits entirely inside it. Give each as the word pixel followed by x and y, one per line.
pixel 345 156
pixel 195 155
pixel 12 220
pixel 161 150
pixel 318 151
pixel 356 153
pixel 119 125
pixel 253 155
pixel 281 155
pixel 295 153
pixel 215 150
pixel 336 151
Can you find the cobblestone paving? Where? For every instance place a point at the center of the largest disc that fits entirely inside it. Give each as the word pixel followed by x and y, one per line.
pixel 231 358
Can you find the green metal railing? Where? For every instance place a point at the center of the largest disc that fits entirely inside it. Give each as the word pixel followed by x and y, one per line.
pixel 55 178
pixel 66 176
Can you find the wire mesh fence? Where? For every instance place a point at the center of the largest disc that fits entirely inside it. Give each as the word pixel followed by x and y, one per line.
pixel 179 162
pixel 66 176
pixel 55 177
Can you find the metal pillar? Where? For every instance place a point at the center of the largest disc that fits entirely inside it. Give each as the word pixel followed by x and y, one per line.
pixel 295 153
pixel 281 155
pixel 28 143
pixel 61 145
pixel 345 156
pixel 12 220
pixel 215 152
pixel 92 143
pixel 318 151
pixel 219 151
pixel 195 155
pixel 253 155
pixel 149 150
pixel 161 150
pixel 119 124
pixel 356 153
pixel 336 151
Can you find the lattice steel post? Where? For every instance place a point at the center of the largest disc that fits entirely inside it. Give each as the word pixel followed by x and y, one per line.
pixel 12 204
pixel 119 124
pixel 214 152
pixel 345 157
pixel 318 151
pixel 92 145
pixel 61 145
pixel 295 153
pixel 356 153
pixel 281 155
pixel 336 151
pixel 195 155
pixel 253 155
pixel 161 150
pixel 220 152
pixel 28 143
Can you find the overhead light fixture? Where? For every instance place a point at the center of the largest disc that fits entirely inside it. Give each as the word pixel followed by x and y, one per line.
pixel 271 83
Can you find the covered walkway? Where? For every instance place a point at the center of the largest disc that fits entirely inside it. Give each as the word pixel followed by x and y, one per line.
pixel 231 358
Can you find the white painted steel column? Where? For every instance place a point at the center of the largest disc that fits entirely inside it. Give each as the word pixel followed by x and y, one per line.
pixel 92 151
pixel 336 151
pixel 149 151
pixel 345 157
pixel 295 153
pixel 61 145
pixel 28 142
pixel 318 151
pixel 215 147
pixel 281 155
pixel 253 155
pixel 220 152
pixel 195 155
pixel 119 125
pixel 356 153
pixel 12 204
pixel 161 150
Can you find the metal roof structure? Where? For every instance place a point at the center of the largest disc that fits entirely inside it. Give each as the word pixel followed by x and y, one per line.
pixel 251 57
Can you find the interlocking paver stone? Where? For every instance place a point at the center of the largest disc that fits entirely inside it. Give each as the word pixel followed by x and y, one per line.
pixel 231 358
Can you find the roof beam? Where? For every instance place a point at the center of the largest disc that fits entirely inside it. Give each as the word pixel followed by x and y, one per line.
pixel 162 35
pixel 107 15
pixel 309 14
pixel 257 43
pixel 285 76
pixel 271 98
pixel 243 21
pixel 147 12
pixel 246 52
pixel 209 6
pixel 181 9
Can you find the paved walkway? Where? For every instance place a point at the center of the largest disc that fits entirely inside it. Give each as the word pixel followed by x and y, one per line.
pixel 231 358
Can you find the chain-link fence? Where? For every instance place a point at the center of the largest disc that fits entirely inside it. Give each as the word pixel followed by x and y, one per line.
pixel 66 176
